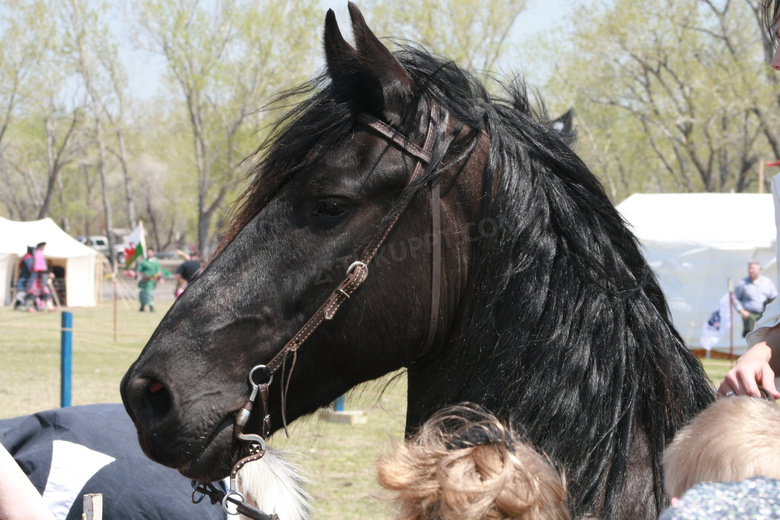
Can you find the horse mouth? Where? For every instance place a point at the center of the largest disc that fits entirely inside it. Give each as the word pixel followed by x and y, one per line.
pixel 216 456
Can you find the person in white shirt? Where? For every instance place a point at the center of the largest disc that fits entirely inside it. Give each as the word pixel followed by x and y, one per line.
pixel 758 366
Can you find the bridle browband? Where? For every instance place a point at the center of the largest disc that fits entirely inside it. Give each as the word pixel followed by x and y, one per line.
pixel 357 273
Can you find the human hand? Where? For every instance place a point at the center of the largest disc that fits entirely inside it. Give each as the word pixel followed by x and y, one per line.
pixel 751 371
pixel 18 497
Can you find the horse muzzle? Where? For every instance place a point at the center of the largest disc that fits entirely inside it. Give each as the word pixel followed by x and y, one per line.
pixel 199 443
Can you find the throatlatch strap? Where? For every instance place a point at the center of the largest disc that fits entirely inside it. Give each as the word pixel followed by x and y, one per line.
pixel 433 325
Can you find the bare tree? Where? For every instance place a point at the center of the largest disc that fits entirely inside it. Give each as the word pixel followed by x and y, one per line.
pixel 225 61
pixel 22 26
pixel 473 33
pixel 677 92
pixel 57 155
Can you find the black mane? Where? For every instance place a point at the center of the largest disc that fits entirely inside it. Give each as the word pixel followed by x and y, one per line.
pixel 562 302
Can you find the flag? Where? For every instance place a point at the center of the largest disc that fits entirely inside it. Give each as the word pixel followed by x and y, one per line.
pixel 135 245
pixel 717 324
pixel 565 123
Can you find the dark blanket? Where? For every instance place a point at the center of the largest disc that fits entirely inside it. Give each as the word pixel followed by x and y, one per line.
pixel 69 452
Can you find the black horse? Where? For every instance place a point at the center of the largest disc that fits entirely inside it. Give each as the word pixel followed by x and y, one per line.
pixel 544 310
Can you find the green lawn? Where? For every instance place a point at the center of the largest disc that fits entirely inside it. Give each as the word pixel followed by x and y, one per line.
pixel 30 354
pixel 338 458
pixel 716 369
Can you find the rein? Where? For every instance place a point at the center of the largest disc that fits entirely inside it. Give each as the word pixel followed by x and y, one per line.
pixel 357 273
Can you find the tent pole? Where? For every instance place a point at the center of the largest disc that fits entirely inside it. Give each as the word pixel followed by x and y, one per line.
pixel 731 325
pixel 113 276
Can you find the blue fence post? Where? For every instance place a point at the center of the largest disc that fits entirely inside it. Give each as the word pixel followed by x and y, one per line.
pixel 338 405
pixel 66 358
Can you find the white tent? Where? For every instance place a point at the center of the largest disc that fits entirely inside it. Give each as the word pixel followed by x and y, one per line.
pixel 696 242
pixel 78 260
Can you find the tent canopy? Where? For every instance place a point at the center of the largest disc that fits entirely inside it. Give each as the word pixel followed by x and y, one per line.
pixel 696 243
pixel 77 259
pixel 723 221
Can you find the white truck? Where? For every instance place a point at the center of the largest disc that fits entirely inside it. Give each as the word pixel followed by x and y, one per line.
pixel 100 243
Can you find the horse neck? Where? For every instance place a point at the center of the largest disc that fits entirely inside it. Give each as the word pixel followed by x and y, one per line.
pixel 434 385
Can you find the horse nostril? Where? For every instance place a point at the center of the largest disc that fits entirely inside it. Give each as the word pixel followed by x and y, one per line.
pixel 159 397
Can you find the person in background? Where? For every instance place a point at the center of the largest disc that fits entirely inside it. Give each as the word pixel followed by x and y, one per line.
pixel 149 273
pixel 464 463
pixel 186 271
pixel 751 296
pixel 725 462
pixel 39 281
pixel 25 280
pixel 39 265
pixel 758 366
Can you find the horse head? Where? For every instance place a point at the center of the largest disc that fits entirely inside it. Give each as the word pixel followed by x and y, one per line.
pixel 457 235
pixel 329 188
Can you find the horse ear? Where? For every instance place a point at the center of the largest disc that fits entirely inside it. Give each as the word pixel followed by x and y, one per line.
pixel 389 85
pixel 340 57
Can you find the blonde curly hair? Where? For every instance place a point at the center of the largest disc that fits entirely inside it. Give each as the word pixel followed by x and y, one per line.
pixel 465 465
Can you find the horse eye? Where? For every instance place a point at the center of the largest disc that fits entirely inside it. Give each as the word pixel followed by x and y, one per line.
pixel 330 209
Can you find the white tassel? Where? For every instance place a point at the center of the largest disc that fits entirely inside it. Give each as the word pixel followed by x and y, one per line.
pixel 274 485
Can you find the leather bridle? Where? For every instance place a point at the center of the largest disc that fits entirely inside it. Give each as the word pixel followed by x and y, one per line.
pixel 357 273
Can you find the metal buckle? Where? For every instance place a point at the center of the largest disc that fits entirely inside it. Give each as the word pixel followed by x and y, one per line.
pixel 353 265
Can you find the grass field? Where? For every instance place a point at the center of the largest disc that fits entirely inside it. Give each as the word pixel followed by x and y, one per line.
pixel 339 459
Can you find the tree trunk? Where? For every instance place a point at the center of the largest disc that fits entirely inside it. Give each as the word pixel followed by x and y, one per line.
pixel 55 160
pixel 131 220
pixel 104 185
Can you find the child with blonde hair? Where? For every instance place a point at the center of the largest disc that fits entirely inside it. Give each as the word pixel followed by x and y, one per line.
pixel 464 464
pixel 726 462
pixel 733 439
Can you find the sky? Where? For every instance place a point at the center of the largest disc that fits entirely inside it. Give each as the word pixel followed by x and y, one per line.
pixel 539 15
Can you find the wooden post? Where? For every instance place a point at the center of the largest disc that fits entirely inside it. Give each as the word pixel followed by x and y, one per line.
pixel 53 290
pixel 93 506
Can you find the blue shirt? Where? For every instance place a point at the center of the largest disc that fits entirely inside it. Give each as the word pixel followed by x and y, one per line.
pixel 754 295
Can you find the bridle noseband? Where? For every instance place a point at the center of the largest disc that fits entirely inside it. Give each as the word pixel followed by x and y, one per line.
pixel 356 274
